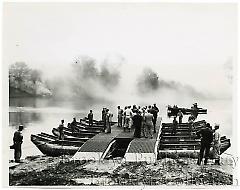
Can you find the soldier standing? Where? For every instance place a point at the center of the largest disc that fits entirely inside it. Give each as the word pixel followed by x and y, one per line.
pixel 155 111
pixel 128 116
pixel 104 118
pixel 137 123
pixel 17 143
pixel 175 124
pixel 216 144
pixel 120 116
pixel 195 110
pixel 149 124
pixel 60 129
pixel 206 136
pixel 143 128
pixel 180 115
pixel 90 118
pixel 109 116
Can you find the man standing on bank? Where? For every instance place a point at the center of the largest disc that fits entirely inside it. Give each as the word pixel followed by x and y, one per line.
pixel 206 136
pixel 155 111
pixel 17 142
pixel 216 144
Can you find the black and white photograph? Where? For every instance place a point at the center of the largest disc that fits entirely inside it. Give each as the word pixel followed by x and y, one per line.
pixel 139 94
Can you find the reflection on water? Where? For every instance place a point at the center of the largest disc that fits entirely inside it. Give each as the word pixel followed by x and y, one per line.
pixel 24 118
pixel 41 115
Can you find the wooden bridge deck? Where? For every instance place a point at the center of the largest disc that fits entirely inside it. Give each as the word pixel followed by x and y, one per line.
pixel 140 148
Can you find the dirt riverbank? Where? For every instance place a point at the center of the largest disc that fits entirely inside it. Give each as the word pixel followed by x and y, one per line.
pixel 43 170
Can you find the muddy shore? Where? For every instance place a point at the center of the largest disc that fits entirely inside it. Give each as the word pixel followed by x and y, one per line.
pixel 58 171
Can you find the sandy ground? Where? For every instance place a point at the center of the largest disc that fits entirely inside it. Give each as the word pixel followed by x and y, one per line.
pixel 43 170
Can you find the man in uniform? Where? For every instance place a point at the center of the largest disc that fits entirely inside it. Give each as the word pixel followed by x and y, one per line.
pixel 206 136
pixel 143 128
pixel 73 125
pixel 109 116
pixel 17 142
pixel 195 110
pixel 60 129
pixel 104 118
pixel 216 144
pixel 190 124
pixel 137 123
pixel 155 111
pixel 90 118
pixel 120 116
pixel 175 124
pixel 180 115
pixel 128 116
pixel 149 124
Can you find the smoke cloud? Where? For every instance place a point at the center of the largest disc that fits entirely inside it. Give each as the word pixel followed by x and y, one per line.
pixel 149 82
pixel 110 81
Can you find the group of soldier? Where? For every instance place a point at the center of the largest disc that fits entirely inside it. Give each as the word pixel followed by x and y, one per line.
pixel 191 118
pixel 209 137
pixel 142 119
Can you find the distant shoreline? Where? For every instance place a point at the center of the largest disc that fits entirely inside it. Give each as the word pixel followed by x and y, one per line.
pixel 18 93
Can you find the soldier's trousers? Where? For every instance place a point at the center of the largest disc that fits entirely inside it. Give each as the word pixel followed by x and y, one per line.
pixel 205 147
pixel 17 152
pixel 120 119
pixel 216 151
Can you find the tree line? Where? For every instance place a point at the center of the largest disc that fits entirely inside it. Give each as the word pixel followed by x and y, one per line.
pixel 27 80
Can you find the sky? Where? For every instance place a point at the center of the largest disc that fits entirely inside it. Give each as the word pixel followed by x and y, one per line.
pixel 186 42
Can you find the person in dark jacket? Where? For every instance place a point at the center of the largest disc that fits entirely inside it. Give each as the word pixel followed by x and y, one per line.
pixel 90 118
pixel 120 117
pixel 17 144
pixel 155 111
pixel 73 125
pixel 194 110
pixel 206 136
pixel 60 129
pixel 137 123
pixel 175 125
pixel 180 115
pixel 104 113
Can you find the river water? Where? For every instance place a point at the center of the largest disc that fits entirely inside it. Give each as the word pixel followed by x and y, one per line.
pixel 41 115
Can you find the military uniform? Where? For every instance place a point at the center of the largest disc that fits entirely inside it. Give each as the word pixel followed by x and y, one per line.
pixel 120 117
pixel 206 140
pixel 216 147
pixel 17 140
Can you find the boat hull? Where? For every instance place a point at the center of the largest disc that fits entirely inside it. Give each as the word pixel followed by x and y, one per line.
pixel 52 148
